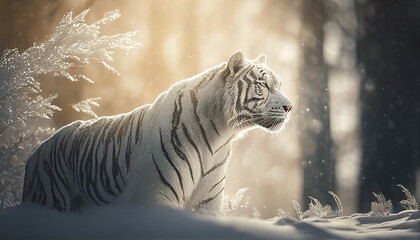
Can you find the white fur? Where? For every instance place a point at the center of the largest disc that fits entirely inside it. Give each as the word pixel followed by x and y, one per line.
pixel 218 109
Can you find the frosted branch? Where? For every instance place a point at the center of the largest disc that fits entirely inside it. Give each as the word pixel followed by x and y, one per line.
pixel 85 106
pixel 73 44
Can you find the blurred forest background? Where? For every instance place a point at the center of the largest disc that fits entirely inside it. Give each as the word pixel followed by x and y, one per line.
pixel 351 67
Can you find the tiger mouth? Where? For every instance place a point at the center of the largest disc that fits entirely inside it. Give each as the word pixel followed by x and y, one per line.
pixel 271 122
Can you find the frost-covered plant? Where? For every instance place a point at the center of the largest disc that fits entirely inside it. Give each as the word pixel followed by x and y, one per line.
pixel 237 204
pixel 337 201
pixel 12 164
pixel 281 213
pixel 380 208
pixel 410 203
pixel 85 106
pixel 316 209
pixel 298 209
pixel 255 213
pixel 73 44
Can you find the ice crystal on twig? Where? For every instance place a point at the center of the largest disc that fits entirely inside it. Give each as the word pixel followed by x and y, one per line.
pixel 282 213
pixel 316 209
pixel 337 201
pixel 382 207
pixel 298 209
pixel 410 203
pixel 237 204
pixel 85 106
pixel 255 213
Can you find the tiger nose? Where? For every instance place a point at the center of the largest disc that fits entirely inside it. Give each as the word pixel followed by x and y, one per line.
pixel 287 108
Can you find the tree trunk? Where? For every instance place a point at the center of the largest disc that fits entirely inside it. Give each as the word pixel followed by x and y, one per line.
pixel 388 51
pixel 314 111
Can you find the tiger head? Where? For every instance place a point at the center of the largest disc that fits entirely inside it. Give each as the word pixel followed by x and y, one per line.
pixel 253 97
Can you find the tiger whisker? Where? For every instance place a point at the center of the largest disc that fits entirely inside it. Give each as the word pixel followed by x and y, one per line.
pixel 259 120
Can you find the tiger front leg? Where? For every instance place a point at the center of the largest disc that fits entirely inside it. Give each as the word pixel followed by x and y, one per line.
pixel 208 195
pixel 213 206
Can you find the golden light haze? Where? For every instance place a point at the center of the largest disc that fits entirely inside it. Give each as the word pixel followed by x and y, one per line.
pixel 183 38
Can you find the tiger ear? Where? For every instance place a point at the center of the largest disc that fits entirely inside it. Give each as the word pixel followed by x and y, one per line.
pixel 260 59
pixel 236 62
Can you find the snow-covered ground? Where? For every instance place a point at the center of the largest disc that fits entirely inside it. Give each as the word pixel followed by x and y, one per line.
pixel 164 222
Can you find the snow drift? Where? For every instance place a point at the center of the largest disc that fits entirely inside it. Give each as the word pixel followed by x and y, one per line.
pixel 35 222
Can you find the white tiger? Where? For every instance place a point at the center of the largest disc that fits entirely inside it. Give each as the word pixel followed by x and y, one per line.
pixel 174 151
